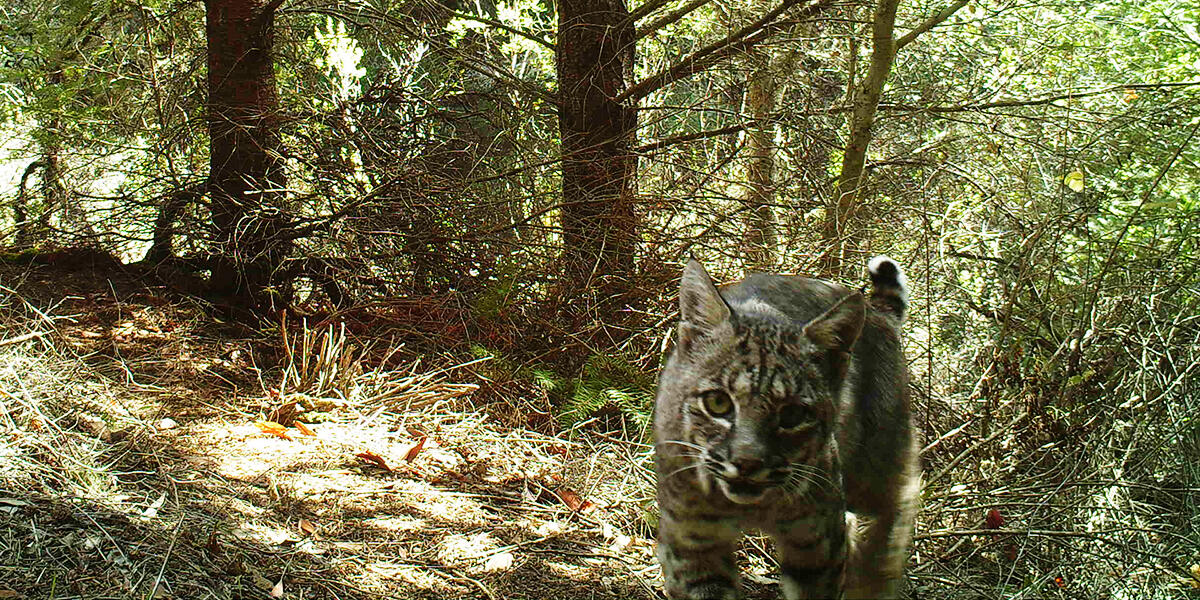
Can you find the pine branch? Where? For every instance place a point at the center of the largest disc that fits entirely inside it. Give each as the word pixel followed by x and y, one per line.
pixel 738 41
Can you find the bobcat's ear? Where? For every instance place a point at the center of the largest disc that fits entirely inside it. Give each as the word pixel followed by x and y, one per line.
pixel 839 327
pixel 702 310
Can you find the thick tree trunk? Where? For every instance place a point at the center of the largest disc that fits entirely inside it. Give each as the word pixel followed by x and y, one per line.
pixel 246 179
pixel 842 235
pixel 759 237
pixel 595 53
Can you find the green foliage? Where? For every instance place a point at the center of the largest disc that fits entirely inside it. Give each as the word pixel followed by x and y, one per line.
pixel 608 383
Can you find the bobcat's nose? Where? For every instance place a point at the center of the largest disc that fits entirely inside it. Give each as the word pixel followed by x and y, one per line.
pixel 747 467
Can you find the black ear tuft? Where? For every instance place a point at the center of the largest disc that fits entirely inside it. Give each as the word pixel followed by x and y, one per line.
pixel 701 308
pixel 839 327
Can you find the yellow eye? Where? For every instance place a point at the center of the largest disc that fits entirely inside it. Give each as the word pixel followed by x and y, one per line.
pixel 717 403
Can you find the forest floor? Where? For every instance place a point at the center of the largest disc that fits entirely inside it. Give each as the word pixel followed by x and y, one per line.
pixel 149 451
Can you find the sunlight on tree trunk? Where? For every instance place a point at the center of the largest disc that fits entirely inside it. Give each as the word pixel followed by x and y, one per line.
pixel 595 55
pixel 842 235
pixel 246 171
pixel 759 237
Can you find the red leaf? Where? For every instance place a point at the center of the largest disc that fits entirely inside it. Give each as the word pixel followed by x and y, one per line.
pixel 415 450
pixel 1060 582
pixel 994 519
pixel 574 501
pixel 369 456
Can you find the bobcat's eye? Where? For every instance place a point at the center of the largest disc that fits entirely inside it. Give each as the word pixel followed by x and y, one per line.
pixel 794 416
pixel 717 403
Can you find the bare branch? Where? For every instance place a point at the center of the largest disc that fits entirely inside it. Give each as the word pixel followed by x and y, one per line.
pixel 930 23
pixel 689 137
pixel 738 41
pixel 647 8
pixel 669 18
pixel 533 37
pixel 1038 101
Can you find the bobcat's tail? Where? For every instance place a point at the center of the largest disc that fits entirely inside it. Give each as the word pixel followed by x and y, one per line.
pixel 889 288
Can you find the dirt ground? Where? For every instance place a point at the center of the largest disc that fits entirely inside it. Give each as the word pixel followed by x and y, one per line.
pixel 147 451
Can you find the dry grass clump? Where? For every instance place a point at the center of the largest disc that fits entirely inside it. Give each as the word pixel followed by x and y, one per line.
pixel 130 471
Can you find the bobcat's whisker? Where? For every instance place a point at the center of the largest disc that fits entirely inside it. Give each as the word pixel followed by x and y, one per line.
pixel 682 443
pixel 682 469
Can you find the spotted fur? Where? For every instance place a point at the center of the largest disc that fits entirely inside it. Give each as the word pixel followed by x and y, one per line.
pixel 784 408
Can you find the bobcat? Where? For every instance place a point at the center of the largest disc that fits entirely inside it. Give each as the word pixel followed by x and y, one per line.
pixel 783 405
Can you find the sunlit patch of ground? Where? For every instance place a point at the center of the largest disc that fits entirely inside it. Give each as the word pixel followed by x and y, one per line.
pixel 135 463
pixel 131 466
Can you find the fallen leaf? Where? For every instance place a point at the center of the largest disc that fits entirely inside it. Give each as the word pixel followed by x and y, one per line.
pixel 277 591
pixel 167 423
pixel 10 594
pixel 1129 96
pixel 369 456
pixel 994 519
pixel 303 429
pixel 213 546
pixel 273 428
pixel 574 501
pixel 1060 582
pixel 262 582
pixel 415 450
pixel 499 562
pixel 284 414
pixel 152 510
pixel 307 527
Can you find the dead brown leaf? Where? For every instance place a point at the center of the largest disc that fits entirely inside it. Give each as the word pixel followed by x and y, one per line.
pixel 284 414
pixel 308 528
pixel 415 450
pixel 303 429
pixel 574 501
pixel 369 456
pixel 273 428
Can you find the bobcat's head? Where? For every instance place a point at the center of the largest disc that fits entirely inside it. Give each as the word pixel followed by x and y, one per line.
pixel 750 396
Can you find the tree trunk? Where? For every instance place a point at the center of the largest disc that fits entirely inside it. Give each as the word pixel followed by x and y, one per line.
pixel 842 235
pixel 760 238
pixel 246 178
pixel 595 55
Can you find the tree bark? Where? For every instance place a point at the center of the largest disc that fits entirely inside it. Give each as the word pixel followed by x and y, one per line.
pixel 595 53
pixel 842 235
pixel 246 178
pixel 760 237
